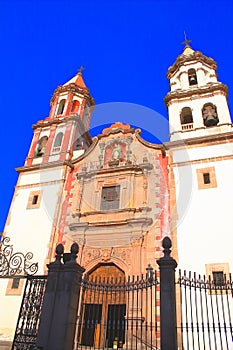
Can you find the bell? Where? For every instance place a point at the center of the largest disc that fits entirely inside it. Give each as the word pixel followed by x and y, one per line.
pixel 211 121
pixel 192 80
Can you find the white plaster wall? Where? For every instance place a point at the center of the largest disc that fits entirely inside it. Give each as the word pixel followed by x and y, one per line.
pixel 9 306
pixel 37 177
pixel 205 225
pixel 190 154
pixel 30 229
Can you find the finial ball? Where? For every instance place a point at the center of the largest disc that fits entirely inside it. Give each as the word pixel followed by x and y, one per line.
pixel 167 243
pixel 59 249
pixel 74 249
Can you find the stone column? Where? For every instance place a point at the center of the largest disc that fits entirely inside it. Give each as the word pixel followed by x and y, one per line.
pixel 61 299
pixel 168 322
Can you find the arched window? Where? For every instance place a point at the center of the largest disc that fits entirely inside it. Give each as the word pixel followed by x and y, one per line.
pixel 61 106
pixel 40 148
pixel 192 77
pixel 209 114
pixel 58 142
pixel 75 106
pixel 186 118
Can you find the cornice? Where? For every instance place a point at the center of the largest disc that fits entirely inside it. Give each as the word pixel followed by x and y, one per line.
pixel 55 121
pixel 113 211
pixel 73 88
pixel 141 220
pixel 227 136
pixel 124 168
pixel 33 167
pixel 157 146
pixel 195 56
pixel 210 88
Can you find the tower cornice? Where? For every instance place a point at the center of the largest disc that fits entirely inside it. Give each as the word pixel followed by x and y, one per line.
pixel 54 164
pixel 196 91
pixel 73 88
pixel 202 140
pixel 57 121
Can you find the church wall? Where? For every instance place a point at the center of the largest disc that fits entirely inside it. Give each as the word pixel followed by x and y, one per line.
pixel 203 153
pixel 29 228
pixel 204 228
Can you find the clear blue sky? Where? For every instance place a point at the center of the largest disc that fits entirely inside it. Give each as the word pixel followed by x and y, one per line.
pixel 126 47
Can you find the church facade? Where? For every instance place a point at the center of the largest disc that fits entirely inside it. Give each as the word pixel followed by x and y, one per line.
pixel 118 195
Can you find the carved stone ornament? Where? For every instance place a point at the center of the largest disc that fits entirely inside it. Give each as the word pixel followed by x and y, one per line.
pixel 106 254
pixel 123 254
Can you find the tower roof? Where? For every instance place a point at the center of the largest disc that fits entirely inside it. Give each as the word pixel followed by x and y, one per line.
pixel 77 80
pixel 187 50
pixel 189 55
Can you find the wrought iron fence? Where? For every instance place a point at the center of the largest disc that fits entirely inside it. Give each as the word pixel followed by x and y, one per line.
pixel 29 315
pixel 118 313
pixel 205 312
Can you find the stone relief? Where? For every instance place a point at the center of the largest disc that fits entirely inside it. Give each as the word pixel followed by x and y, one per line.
pixel 105 255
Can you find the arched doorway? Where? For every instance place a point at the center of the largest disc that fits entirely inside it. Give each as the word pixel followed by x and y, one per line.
pixel 103 307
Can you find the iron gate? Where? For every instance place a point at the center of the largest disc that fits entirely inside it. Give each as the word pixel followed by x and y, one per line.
pixel 112 312
pixel 119 313
pixel 29 315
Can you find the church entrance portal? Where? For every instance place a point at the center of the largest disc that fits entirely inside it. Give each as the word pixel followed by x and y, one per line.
pixel 103 308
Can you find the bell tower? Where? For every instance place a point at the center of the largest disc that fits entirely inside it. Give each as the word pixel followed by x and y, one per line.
pixel 45 177
pixel 197 101
pixel 200 162
pixel 64 131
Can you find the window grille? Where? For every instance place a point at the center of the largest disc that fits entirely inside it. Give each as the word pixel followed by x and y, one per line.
pixel 110 198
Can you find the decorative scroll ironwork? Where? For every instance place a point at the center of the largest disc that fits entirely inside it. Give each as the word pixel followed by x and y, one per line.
pixel 29 316
pixel 206 312
pixel 12 264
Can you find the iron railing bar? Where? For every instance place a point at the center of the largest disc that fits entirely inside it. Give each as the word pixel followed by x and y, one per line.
pixel 223 312
pixel 127 313
pixel 191 309
pixel 141 304
pixel 212 311
pixel 147 303
pixel 195 303
pixel 186 311
pixel 132 310
pixel 155 308
pixel 202 315
pixel 228 306
pixel 206 285
pixel 218 316
pixel 137 279
pixel 151 313
pixel 181 310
